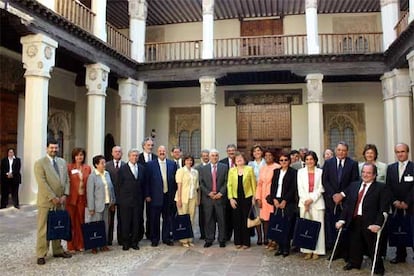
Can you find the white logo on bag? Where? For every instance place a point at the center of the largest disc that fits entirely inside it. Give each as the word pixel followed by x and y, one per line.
pixel 59 226
pixel 95 236
pixel 180 227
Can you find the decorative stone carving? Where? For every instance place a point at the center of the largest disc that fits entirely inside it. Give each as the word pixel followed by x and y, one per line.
pixel 208 6
pixel 314 88
pixel 142 93
pixel 410 58
pixel 208 90
pixel 263 97
pixel 311 4
pixel 182 119
pixel 97 80
pixel 128 91
pixel 138 9
pixel 387 85
pixel 34 63
pixel 401 83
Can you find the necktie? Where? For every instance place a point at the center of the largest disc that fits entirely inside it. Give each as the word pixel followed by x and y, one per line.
pixel 360 196
pixel 56 167
pixel 116 164
pixel 164 176
pixel 135 171
pixel 149 157
pixel 214 179
pixel 340 171
pixel 401 170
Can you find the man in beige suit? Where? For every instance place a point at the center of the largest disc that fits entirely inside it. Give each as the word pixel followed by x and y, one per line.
pixel 53 187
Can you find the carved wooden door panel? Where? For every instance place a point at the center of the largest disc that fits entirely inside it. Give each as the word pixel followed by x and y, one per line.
pixel 267 125
pixel 261 46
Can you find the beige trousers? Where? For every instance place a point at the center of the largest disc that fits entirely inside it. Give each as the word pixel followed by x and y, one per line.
pixel 42 245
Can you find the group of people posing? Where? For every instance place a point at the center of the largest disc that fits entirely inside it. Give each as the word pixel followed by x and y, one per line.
pixel 342 194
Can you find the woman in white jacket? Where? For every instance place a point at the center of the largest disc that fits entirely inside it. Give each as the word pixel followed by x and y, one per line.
pixel 311 202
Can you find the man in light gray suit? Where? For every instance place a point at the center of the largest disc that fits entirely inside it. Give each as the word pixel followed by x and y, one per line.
pixel 205 156
pixel 53 186
pixel 213 185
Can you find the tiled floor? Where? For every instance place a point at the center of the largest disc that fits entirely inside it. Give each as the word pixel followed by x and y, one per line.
pixel 17 257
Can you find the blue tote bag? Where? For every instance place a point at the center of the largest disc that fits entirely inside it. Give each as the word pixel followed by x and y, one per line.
pixel 306 233
pixel 182 228
pixel 58 225
pixel 278 227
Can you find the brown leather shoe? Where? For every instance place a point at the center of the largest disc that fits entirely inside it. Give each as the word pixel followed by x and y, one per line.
pixel 94 251
pixel 41 261
pixel 64 255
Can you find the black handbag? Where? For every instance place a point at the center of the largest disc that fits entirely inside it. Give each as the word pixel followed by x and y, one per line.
pixel 400 232
pixel 306 233
pixel 279 227
pixel 182 228
pixel 94 235
pixel 58 225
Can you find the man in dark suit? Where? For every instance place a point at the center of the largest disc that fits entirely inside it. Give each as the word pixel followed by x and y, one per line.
pixel 214 198
pixel 363 214
pixel 338 173
pixel 230 162
pixel 205 155
pixel 176 155
pixel 113 167
pixel 161 189
pixel 400 181
pixel 10 179
pixel 131 195
pixel 145 157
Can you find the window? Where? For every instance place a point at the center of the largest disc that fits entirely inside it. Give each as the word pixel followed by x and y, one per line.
pixel 196 143
pixel 184 141
pixel 347 44
pixel 361 44
pixel 341 129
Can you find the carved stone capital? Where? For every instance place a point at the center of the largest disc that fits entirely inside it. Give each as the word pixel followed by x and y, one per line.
pixel 384 3
pixel 315 88
pixel 208 90
pixel 208 7
pixel 410 58
pixel 38 55
pixel 387 85
pixel 311 4
pixel 142 93
pixel 396 84
pixel 137 9
pixel 128 91
pixel 96 79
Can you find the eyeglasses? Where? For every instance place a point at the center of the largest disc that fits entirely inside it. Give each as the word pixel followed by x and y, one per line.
pixel 283 160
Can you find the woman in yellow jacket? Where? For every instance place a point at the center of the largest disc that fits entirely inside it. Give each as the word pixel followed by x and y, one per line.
pixel 187 195
pixel 241 188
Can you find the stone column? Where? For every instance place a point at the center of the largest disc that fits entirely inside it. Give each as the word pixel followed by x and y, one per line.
pixel 312 27
pixel 137 20
pixel 389 117
pixel 128 89
pixel 48 3
pixel 208 29
pixel 141 107
pixel 315 112
pixel 389 18
pixel 411 11
pixel 38 60
pixel 96 82
pixel 99 23
pixel 208 112
pixel 403 106
pixel 410 58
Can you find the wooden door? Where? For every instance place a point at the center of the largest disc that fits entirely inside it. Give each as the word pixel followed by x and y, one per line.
pixel 267 125
pixel 255 44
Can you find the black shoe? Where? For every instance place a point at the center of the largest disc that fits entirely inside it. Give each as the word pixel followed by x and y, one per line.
pixel 64 255
pixel 208 244
pixel 278 253
pixel 379 272
pixel 135 247
pixel 17 206
pixel 41 261
pixel 169 243
pixel 285 254
pixel 397 260
pixel 125 247
pixel 259 243
pixel 110 243
pixel 154 244
pixel 222 244
pixel 348 266
pixel 266 242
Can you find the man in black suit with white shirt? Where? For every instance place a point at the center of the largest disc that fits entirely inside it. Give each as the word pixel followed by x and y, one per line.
pixel 10 179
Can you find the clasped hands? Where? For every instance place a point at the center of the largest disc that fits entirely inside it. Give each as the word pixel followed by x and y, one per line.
pixel 279 205
pixel 400 204
pixel 59 200
pixel 373 227
pixel 215 195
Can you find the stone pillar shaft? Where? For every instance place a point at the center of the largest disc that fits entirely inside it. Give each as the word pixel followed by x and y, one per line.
pixel 208 112
pixel 137 27
pixel 128 92
pixel 99 24
pixel 389 112
pixel 96 83
pixel 38 60
pixel 389 18
pixel 315 112
pixel 312 27
pixel 208 29
pixel 141 109
pixel 48 3
pixel 411 11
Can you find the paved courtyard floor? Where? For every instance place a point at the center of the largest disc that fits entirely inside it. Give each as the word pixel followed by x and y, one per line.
pixel 17 257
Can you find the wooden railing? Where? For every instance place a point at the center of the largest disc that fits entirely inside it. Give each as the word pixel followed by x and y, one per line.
pixel 402 23
pixel 260 46
pixel 350 43
pixel 117 40
pixel 76 12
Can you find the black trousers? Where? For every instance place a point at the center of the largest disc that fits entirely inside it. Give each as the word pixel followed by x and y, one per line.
pixel 228 218
pixel 362 240
pixel 201 221
pixel 8 186
pixel 111 227
pixel 145 228
pixel 240 214
pixel 167 213
pixel 130 224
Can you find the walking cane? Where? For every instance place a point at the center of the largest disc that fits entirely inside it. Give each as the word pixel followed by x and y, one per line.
pixel 377 243
pixel 334 249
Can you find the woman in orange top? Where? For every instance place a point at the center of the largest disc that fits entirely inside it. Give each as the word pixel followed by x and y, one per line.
pixel 76 201
pixel 263 190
